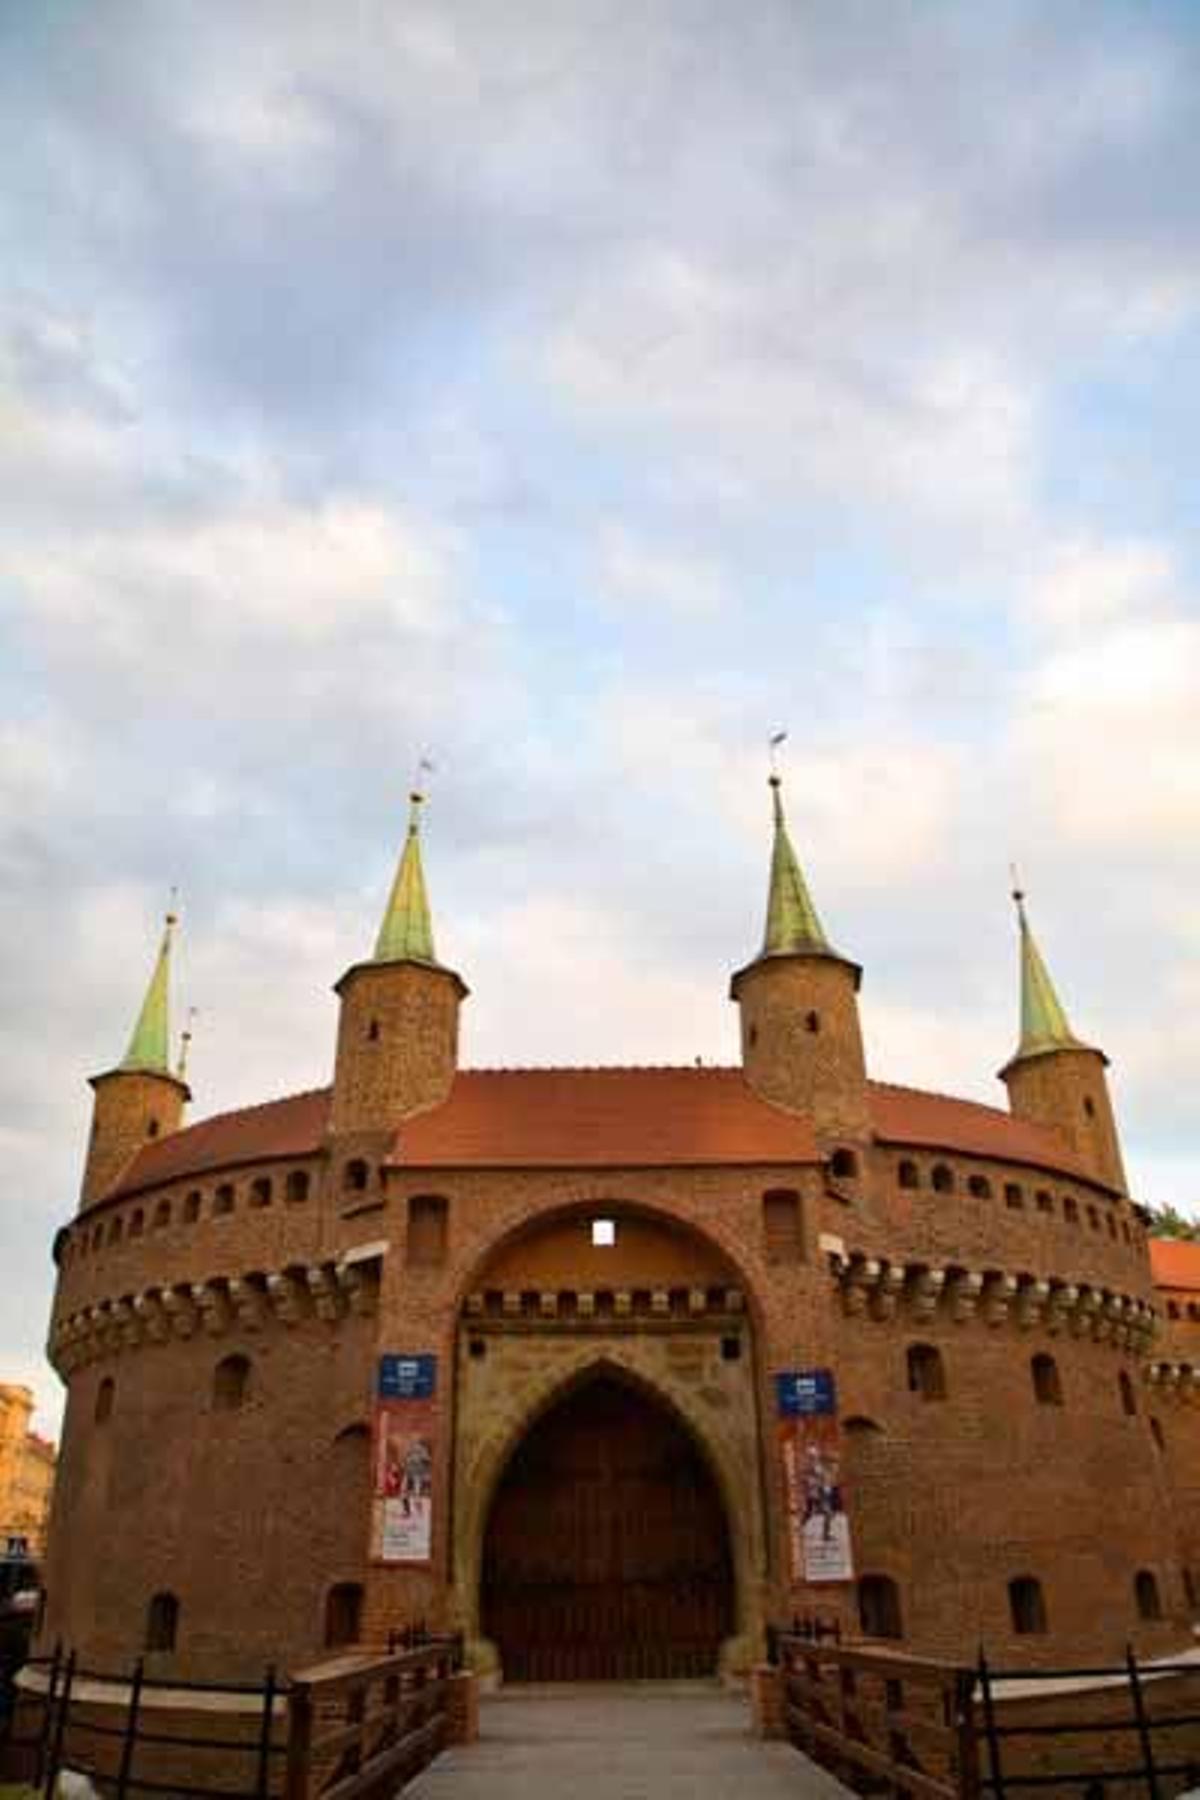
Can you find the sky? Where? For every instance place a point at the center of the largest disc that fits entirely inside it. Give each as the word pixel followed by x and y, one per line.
pixel 576 392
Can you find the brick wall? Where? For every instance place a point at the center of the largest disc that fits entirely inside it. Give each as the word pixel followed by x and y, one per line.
pixel 249 1517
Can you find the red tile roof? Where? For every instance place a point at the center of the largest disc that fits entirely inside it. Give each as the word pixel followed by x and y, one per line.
pixel 293 1126
pixel 909 1116
pixel 1175 1264
pixel 616 1117
pixel 598 1118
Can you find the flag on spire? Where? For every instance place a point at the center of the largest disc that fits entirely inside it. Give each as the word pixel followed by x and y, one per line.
pixel 149 1049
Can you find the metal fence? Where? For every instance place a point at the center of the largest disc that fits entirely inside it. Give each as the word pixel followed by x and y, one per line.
pixel 1141 1748
pixel 55 1724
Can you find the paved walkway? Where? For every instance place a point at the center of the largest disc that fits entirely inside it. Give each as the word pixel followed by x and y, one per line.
pixel 652 1741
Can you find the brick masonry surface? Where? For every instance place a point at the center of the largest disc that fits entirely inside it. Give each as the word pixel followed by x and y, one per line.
pixel 302 1268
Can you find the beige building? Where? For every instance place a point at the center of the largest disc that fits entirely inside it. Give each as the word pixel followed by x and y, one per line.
pixel 26 1471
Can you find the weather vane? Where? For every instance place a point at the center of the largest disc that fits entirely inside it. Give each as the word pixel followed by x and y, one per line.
pixel 773 742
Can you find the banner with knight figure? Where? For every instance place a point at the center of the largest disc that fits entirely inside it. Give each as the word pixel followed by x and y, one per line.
pixel 402 1480
pixel 810 1443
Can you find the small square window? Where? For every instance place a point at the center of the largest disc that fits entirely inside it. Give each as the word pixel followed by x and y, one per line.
pixel 604 1233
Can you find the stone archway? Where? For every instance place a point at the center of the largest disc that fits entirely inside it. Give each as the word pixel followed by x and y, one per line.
pixel 502 1397
pixel 607 1549
pixel 657 1306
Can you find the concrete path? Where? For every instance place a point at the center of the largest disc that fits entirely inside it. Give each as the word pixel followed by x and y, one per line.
pixel 649 1741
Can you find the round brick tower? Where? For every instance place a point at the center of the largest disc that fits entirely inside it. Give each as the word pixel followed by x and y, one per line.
pixel 1056 1080
pixel 397 1048
pixel 801 1039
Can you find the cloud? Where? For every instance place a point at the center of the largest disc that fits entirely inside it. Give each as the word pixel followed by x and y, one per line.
pixel 873 803
pixel 763 393
pixel 592 989
pixel 274 577
pixel 582 403
pixel 1105 719
pixel 635 573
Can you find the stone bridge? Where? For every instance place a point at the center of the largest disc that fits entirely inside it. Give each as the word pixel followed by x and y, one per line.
pixel 649 1741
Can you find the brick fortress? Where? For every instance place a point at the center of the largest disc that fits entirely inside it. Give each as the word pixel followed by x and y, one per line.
pixel 501 1349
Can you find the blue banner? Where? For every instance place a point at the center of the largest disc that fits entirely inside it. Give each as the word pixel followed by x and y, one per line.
pixel 407 1377
pixel 805 1393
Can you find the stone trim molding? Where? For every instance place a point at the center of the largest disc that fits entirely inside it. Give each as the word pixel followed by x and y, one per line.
pixel 251 1302
pixel 873 1287
pixel 604 1306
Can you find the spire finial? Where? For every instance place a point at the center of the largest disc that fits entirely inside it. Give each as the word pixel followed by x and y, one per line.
pixel 1018 892
pixel 185 1044
pixel 417 796
pixel 775 779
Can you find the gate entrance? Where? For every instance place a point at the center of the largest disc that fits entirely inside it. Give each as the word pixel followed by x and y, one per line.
pixel 607 1550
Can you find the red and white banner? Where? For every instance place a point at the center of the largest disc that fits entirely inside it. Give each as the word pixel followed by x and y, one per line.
pixel 810 1447
pixel 402 1485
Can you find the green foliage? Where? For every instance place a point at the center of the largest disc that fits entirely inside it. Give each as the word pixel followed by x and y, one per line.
pixel 1168 1222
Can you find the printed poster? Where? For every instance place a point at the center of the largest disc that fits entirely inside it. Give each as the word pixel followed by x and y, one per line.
pixel 810 1444
pixel 402 1503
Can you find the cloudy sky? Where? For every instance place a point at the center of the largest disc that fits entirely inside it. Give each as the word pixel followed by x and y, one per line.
pixel 576 392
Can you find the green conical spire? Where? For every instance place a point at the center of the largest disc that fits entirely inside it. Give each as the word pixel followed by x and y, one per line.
pixel 792 923
pixel 150 1048
pixel 406 934
pixel 1043 1021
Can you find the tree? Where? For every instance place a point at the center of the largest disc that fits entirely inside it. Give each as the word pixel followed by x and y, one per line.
pixel 1169 1222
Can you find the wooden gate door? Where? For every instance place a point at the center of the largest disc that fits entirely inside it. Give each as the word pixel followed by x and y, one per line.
pixel 607 1551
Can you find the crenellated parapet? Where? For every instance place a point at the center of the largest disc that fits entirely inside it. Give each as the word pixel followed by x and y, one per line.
pixel 877 1288
pixel 255 1301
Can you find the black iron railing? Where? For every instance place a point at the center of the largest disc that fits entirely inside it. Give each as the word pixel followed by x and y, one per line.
pixel 1162 1761
pixel 939 1731
pixel 53 1724
pixel 361 1723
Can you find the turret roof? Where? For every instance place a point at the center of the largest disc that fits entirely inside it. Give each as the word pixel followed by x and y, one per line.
pixel 793 927
pixel 1044 1024
pixel 406 934
pixel 150 1046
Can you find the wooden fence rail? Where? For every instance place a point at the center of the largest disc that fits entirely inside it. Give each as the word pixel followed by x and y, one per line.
pixel 881 1722
pixel 924 1730
pixel 368 1728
